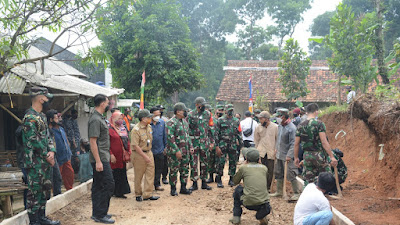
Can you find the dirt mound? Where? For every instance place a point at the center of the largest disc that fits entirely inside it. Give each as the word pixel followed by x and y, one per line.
pixel 372 183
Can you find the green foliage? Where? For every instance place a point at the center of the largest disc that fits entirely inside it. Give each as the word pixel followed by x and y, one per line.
pixel 388 91
pixel 293 70
pixel 333 109
pixel 261 102
pixel 150 36
pixel 320 27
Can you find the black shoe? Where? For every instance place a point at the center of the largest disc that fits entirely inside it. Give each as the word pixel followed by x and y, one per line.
pixel 230 183
pixel 105 219
pixel 153 198
pixel 173 191
pixel 205 186
pixel 185 191
pixel 43 220
pixel 194 187
pixel 211 180
pixel 33 219
pixel 109 215
pixel 139 198
pixel 164 181
pixel 219 182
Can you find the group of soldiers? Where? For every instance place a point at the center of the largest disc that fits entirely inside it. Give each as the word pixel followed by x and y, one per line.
pixel 199 137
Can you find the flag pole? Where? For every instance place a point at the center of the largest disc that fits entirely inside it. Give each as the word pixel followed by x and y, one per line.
pixel 251 94
pixel 142 90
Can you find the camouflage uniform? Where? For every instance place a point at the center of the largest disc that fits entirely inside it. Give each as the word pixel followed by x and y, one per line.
pixel 73 133
pixel 341 167
pixel 227 134
pixel 178 140
pixel 200 125
pixel 315 158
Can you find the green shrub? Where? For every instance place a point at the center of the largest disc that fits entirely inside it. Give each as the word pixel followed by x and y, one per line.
pixel 332 109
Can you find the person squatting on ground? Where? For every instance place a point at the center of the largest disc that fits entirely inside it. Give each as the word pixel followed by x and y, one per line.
pixel 313 207
pixel 39 153
pixel 285 150
pixel 311 135
pixel 119 144
pixel 200 124
pixel 227 137
pixel 158 146
pixel 265 137
pixel 103 181
pixel 254 194
pixel 179 146
pixel 143 160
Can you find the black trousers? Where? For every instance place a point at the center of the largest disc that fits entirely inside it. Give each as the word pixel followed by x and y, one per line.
pixel 262 210
pixel 269 163
pixel 165 168
pixel 248 144
pixel 159 167
pixel 102 190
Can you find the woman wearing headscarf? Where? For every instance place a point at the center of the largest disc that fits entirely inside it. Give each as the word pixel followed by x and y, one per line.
pixel 119 142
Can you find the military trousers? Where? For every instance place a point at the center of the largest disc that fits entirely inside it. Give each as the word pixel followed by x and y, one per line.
pixel 39 187
pixel 211 161
pixel 314 163
pixel 231 153
pixel 203 154
pixel 178 165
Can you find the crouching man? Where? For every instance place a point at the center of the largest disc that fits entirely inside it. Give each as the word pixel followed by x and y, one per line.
pixel 313 207
pixel 254 194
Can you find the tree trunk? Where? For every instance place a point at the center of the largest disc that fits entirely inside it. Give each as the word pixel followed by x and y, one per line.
pixel 380 48
pixel 339 98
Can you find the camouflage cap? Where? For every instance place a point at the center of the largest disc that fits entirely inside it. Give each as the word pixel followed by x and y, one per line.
pixel 228 107
pixel 180 106
pixel 200 100
pixel 257 111
pixel 221 107
pixel 144 113
pixel 281 111
pixel 35 91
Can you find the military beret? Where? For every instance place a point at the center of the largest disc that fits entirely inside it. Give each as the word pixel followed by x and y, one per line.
pixel 200 100
pixel 35 91
pixel 144 113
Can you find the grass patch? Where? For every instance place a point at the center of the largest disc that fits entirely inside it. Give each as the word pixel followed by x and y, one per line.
pixel 332 109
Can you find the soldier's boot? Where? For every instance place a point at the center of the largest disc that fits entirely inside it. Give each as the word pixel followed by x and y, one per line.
pixel 230 183
pixel 211 180
pixel 194 187
pixel 205 186
pixel 33 219
pixel 219 181
pixel 296 191
pixel 263 221
pixel 235 220
pixel 185 191
pixel 173 191
pixel 46 221
pixel 279 189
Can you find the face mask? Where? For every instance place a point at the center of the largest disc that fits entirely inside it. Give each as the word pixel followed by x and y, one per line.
pixel 264 124
pixel 107 108
pixel 156 119
pixel 119 122
pixel 202 108
pixel 185 114
pixel 46 105
pixel 220 114
pixel 161 114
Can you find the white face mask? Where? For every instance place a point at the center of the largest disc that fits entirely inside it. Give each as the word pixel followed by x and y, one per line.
pixel 156 119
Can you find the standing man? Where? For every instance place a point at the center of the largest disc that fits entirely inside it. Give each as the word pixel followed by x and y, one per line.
pixel 285 149
pixel 159 145
pixel 165 168
pixel 74 138
pixel 311 134
pixel 179 146
pixel 265 137
pixel 212 159
pixel 227 138
pixel 103 180
pixel 143 160
pixel 39 153
pixel 248 126
pixel 200 125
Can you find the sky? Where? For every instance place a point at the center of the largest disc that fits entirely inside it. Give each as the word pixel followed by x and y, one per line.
pixel 301 33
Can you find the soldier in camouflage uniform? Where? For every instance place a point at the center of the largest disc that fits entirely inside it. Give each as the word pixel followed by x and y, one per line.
pixel 39 152
pixel 311 135
pixel 200 125
pixel 341 167
pixel 74 137
pixel 179 148
pixel 227 138
pixel 212 159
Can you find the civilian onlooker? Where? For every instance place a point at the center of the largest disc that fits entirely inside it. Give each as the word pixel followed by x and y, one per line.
pixel 74 136
pixel 85 168
pixel 128 118
pixel 237 115
pixel 248 126
pixel 158 146
pixel 313 207
pixel 165 168
pixel 296 116
pixel 265 137
pixel 350 95
pixel 103 181
pixel 119 142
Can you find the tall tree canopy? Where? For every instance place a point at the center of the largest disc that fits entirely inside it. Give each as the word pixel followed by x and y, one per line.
pixel 320 27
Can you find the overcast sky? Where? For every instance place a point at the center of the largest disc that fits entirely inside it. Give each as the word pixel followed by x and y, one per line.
pixel 301 33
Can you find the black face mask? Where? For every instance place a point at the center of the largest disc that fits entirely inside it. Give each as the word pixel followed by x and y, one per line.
pixel 185 114
pixel 264 124
pixel 202 108
pixel 107 108
pixel 161 114
pixel 230 113
pixel 220 114
pixel 46 105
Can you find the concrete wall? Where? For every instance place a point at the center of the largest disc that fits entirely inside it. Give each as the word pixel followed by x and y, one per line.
pixel 240 107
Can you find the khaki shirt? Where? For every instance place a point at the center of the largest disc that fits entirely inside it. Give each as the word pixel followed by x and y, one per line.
pixel 142 136
pixel 265 140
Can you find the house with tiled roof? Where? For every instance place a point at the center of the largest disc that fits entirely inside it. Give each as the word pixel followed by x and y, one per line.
pixel 235 89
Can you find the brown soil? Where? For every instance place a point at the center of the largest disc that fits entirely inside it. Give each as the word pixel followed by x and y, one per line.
pixel 202 207
pixel 371 191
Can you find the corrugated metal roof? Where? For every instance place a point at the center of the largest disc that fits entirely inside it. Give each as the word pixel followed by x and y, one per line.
pixel 12 83
pixel 127 102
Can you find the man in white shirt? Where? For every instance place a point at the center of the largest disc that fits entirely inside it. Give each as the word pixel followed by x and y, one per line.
pixel 351 95
pixel 248 125
pixel 313 207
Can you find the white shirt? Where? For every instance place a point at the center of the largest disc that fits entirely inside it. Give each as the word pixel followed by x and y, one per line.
pixel 311 201
pixel 350 96
pixel 246 124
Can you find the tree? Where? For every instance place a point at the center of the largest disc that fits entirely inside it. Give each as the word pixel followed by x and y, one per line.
pixel 293 70
pixel 379 42
pixel 149 36
pixel 20 19
pixel 320 27
pixel 251 39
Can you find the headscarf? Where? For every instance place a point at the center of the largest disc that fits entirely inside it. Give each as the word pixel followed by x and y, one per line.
pixel 121 130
